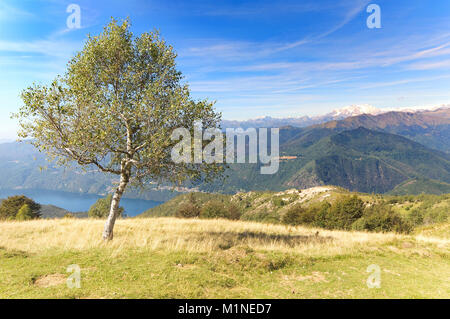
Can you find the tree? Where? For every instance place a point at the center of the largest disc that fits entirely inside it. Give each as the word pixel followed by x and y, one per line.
pixel 11 206
pixel 116 108
pixel 24 213
pixel 102 207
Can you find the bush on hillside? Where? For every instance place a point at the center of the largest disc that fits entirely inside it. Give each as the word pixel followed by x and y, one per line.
pixel 427 213
pixel 262 215
pixel 322 214
pixel 214 209
pixel 416 217
pixel 187 209
pixel 11 206
pixel 434 216
pixel 315 215
pixel 101 208
pixel 24 213
pixel 343 213
pixel 234 212
pixel 381 218
pixel 278 201
pixel 293 215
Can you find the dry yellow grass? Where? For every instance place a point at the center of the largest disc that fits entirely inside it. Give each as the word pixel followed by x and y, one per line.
pixel 192 258
pixel 191 235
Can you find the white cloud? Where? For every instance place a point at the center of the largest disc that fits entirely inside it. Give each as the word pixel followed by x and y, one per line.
pixel 405 81
pixel 45 47
pixel 8 12
pixel 430 65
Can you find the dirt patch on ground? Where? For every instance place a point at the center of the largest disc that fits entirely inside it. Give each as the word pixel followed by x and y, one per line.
pixel 50 280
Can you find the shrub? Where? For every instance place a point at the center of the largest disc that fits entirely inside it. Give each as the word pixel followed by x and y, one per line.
pixel 359 224
pixel 11 206
pixel 101 208
pixel 263 215
pixel 24 213
pixel 234 212
pixel 313 213
pixel 278 201
pixel 69 215
pixel 381 218
pixel 187 209
pixel 322 215
pixel 433 216
pixel 416 217
pixel 213 209
pixel 344 212
pixel 426 214
pixel 293 215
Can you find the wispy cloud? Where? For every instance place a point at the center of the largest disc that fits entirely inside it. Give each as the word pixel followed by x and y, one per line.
pixel 351 12
pixel 443 49
pixel 242 49
pixel 60 48
pixel 9 12
pixel 404 81
pixel 430 65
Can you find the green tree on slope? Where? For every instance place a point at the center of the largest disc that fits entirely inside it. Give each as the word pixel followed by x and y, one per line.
pixel 10 207
pixel 24 213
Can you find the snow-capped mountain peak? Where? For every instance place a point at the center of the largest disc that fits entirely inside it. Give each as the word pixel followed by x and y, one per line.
pixel 353 110
pixel 337 114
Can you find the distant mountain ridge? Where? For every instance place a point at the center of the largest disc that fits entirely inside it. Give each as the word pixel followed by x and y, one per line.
pixel 384 120
pixel 334 115
pixel 430 128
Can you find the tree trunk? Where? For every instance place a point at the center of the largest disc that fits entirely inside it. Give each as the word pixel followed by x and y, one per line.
pixel 114 211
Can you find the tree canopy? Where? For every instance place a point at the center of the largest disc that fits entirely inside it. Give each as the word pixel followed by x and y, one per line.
pixel 24 213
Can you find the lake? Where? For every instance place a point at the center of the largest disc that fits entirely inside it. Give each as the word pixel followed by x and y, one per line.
pixel 77 202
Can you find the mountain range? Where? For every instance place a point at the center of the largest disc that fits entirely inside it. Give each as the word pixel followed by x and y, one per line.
pixel 397 152
pixel 334 115
pixel 384 152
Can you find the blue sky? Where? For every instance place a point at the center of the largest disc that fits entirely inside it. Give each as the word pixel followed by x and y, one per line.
pixel 255 58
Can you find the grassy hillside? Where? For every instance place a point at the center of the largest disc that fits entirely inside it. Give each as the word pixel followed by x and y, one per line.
pixel 421 186
pixel 180 258
pixel 271 206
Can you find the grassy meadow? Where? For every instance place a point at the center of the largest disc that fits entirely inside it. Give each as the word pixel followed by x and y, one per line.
pixel 168 257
